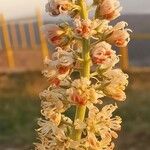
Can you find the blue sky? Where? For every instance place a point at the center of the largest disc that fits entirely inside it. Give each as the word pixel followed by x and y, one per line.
pixel 23 8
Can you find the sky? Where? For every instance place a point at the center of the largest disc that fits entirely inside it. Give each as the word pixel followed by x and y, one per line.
pixel 24 8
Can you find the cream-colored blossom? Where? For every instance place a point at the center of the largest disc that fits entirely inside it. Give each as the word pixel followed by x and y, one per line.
pixel 86 28
pixel 103 55
pixel 54 103
pixel 45 127
pixel 50 71
pixel 56 136
pixel 54 144
pixel 82 92
pixel 44 143
pixel 53 95
pixel 59 66
pixel 56 7
pixel 82 83
pixel 92 143
pixel 64 58
pixel 117 81
pixel 103 26
pixel 118 35
pixel 108 9
pixel 102 122
pixel 54 100
pixel 52 111
pixel 53 33
pixel 66 119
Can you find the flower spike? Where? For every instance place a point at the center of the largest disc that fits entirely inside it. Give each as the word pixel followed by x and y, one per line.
pixel 81 72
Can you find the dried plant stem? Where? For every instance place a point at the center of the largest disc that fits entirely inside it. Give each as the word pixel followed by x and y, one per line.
pixel 81 110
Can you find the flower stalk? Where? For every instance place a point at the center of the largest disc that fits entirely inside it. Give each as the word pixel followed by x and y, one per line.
pixel 81 110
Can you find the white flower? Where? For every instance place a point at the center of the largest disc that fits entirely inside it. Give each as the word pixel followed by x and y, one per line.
pixel 52 115
pixel 66 119
pixel 64 58
pixel 54 103
pixel 59 66
pixel 108 9
pixel 82 83
pixel 118 35
pixel 117 81
pixel 55 94
pixel 86 28
pixel 44 143
pixel 51 136
pixel 56 7
pixel 45 127
pixel 102 123
pixel 82 93
pixel 53 33
pixel 103 55
pixel 93 143
pixel 103 27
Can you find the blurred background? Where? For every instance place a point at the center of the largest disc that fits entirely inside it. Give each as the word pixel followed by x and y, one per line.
pixel 22 49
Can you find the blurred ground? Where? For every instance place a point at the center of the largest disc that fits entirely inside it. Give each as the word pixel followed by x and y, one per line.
pixel 20 108
pixel 20 57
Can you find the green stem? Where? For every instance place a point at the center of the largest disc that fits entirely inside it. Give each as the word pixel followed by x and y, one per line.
pixel 81 110
pixel 84 12
pixel 86 58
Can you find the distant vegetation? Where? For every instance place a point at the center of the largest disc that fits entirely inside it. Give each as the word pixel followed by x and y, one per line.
pixel 20 108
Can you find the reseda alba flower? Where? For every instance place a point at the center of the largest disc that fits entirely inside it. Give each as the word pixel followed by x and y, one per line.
pixel 108 9
pixel 59 36
pixel 53 33
pixel 82 92
pixel 102 123
pixel 117 81
pixel 64 58
pixel 83 28
pixel 56 7
pixel 118 35
pixel 59 67
pixel 86 28
pixel 92 143
pixel 102 54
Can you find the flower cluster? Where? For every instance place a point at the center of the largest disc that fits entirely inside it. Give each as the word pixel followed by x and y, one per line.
pixel 80 73
pixel 59 66
pixel 82 92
